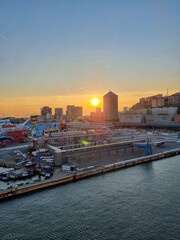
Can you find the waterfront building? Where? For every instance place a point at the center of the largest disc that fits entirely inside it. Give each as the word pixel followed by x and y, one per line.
pixel 125 109
pixel 163 115
pixel 58 113
pixel 46 115
pixel 148 101
pixel 70 112
pixel 34 119
pixel 5 121
pixel 73 112
pixel 78 111
pixel 96 116
pixel 13 135
pixel 68 140
pixel 131 118
pixel 158 102
pixel 174 100
pixel 46 110
pixel 177 118
pixel 110 105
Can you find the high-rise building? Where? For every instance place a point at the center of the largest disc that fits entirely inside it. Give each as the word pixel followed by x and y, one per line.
pixel 46 114
pixel 70 111
pixel 73 112
pixel 58 113
pixel 110 105
pixel 46 110
pixel 78 112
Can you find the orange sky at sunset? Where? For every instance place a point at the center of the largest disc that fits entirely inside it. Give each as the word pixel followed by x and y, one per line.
pixel 26 106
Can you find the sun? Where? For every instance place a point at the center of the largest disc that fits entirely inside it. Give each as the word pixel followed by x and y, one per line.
pixel 94 101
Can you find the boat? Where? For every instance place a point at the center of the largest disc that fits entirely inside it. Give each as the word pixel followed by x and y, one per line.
pixel 30 164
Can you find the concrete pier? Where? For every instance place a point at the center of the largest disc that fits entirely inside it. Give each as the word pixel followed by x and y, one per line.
pixel 87 173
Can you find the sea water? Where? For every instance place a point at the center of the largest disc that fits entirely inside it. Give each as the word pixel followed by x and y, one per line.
pixel 140 202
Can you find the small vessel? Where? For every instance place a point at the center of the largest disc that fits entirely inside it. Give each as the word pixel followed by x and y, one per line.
pixel 29 164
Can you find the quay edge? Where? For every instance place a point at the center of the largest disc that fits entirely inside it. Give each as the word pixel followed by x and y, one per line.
pixel 81 175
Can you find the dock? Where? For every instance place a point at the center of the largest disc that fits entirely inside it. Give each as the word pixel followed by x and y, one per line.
pixel 88 172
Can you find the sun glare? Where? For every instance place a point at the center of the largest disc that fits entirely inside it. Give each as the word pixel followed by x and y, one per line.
pixel 95 102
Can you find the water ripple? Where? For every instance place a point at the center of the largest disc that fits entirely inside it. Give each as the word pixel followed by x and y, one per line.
pixel 140 202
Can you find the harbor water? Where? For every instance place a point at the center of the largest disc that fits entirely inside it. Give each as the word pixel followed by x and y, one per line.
pixel 140 202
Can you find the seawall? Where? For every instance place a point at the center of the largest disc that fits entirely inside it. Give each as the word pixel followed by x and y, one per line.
pixel 88 173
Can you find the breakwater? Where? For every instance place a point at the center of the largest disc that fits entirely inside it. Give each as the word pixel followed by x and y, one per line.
pixel 84 173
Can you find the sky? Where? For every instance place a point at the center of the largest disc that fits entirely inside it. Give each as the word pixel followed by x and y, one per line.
pixel 66 52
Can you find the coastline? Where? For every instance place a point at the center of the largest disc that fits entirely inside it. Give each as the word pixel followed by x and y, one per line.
pixel 87 173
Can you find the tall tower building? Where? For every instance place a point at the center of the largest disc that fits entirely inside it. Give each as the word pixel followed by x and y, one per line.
pixel 78 112
pixel 58 113
pixel 74 112
pixel 110 105
pixel 46 110
pixel 70 111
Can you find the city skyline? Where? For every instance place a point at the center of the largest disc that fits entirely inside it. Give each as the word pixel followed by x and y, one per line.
pixel 99 105
pixel 60 53
pixel 35 109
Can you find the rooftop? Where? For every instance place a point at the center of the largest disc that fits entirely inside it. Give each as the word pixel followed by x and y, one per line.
pixel 110 93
